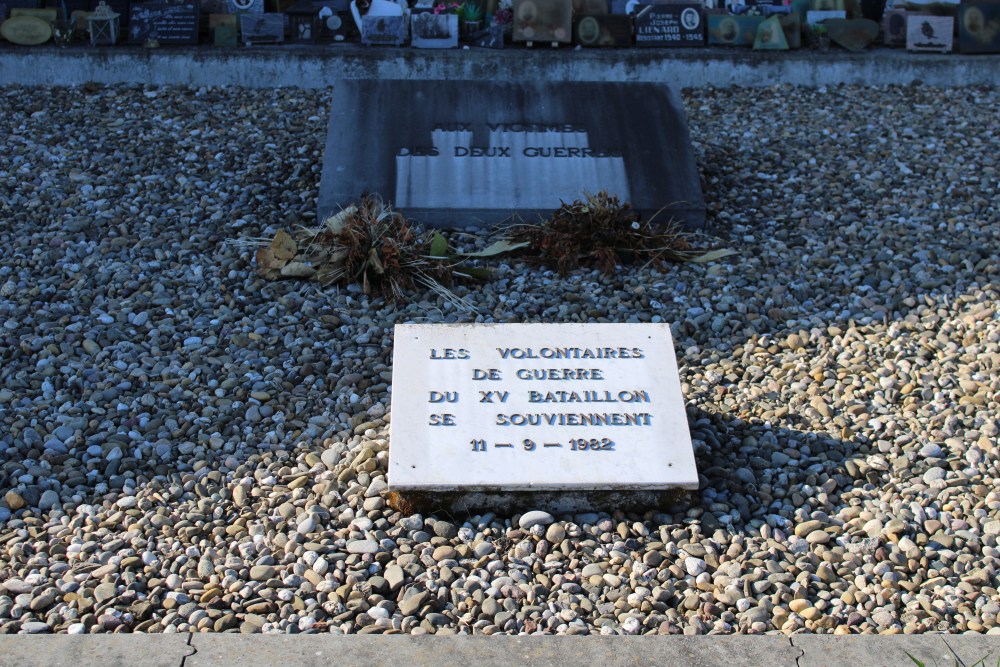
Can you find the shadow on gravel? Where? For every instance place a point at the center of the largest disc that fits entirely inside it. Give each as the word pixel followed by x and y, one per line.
pixel 752 473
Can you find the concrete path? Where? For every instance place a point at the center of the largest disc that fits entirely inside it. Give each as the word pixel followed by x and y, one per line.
pixel 224 650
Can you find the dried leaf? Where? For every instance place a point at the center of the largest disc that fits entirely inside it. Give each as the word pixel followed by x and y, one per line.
pixel 327 275
pixel 283 246
pixel 266 261
pixel 439 246
pixel 338 258
pixel 297 270
pixel 375 262
pixel 498 248
pixel 337 223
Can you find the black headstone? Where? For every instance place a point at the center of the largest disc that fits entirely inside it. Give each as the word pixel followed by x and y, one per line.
pixel 669 25
pixel 473 153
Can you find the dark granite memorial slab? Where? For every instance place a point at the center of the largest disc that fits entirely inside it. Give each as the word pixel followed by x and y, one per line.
pixel 603 30
pixel 474 153
pixel 165 23
pixel 663 24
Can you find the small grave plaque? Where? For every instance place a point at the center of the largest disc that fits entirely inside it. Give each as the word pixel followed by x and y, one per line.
pixel 165 23
pixel 216 20
pixel 543 21
pixel 474 153
pixel 894 27
pixel 979 26
pixel 770 35
pixel 262 28
pixel 586 416
pixel 670 24
pixel 383 30
pixel 929 33
pixel 225 36
pixel 729 30
pixel 603 30
pixel 434 31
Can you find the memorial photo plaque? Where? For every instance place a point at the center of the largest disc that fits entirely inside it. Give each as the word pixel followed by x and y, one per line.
pixel 672 24
pixel 434 31
pixel 475 153
pixel 603 30
pixel 894 27
pixel 979 26
pixel 733 30
pixel 586 413
pixel 543 21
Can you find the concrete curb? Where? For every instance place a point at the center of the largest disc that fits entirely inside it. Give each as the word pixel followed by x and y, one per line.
pixel 223 650
pixel 310 66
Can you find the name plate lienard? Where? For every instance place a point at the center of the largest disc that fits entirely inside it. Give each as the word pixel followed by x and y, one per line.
pixel 521 407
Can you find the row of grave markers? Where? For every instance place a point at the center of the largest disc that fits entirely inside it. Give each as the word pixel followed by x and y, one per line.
pixel 660 24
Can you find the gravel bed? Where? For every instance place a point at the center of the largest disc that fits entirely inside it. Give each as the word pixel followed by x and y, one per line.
pixel 185 447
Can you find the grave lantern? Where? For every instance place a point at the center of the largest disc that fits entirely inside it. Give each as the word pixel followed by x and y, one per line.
pixel 103 25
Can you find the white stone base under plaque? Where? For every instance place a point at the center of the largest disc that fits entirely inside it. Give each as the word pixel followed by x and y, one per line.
pixel 565 416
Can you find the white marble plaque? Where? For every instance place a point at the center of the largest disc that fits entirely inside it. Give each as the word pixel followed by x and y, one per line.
pixel 538 407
